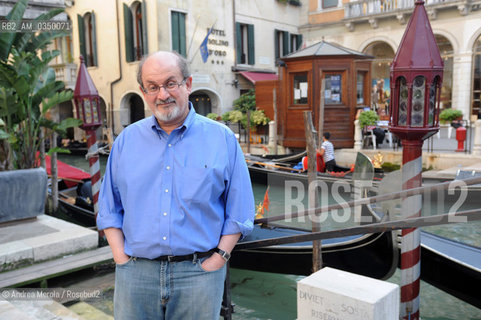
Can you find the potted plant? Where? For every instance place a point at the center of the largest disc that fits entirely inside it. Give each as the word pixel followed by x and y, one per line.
pixel 368 118
pixel 213 116
pixel 448 115
pixel 225 117
pixel 259 120
pixel 235 116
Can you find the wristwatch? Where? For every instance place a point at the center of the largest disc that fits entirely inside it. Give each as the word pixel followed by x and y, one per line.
pixel 225 255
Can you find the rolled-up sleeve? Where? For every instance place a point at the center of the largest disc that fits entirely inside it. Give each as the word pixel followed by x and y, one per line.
pixel 239 199
pixel 110 206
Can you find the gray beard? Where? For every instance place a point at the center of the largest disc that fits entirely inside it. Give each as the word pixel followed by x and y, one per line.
pixel 174 113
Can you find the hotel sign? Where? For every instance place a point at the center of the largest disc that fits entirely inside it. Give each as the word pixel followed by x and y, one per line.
pixel 219 44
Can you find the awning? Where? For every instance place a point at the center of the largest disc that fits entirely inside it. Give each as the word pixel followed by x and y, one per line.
pixel 258 76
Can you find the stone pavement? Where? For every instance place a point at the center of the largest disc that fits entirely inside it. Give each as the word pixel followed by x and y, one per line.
pixel 31 241
pixel 440 143
pixel 34 240
pixel 439 152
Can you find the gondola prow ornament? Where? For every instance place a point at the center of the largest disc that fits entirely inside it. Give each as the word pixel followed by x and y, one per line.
pixel 87 102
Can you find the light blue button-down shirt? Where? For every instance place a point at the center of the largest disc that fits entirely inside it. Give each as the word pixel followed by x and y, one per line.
pixel 176 194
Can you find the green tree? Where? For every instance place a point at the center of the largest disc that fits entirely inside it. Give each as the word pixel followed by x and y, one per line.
pixel 28 90
pixel 245 102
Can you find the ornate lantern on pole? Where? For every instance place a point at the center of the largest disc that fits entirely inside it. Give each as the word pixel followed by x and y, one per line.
pixel 416 78
pixel 87 101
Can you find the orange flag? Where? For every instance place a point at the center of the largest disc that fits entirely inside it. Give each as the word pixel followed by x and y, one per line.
pixel 262 207
pixel 266 202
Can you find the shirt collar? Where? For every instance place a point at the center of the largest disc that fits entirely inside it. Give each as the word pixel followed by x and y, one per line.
pixel 189 120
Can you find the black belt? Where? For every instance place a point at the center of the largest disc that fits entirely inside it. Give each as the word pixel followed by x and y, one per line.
pixel 192 256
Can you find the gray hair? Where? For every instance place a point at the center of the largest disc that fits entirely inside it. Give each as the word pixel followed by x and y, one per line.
pixel 181 62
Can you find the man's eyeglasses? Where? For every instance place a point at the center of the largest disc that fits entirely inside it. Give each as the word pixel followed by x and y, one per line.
pixel 170 87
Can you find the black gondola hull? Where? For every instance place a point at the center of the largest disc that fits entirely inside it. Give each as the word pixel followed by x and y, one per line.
pixel 449 273
pixel 373 255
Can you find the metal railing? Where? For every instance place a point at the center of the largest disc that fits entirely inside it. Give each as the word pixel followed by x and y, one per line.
pixel 366 8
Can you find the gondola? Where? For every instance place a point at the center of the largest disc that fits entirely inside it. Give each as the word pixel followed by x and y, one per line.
pixel 277 170
pixel 74 193
pixel 76 204
pixel 452 266
pixel 374 255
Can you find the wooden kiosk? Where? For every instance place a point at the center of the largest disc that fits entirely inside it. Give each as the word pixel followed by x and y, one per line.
pixel 347 77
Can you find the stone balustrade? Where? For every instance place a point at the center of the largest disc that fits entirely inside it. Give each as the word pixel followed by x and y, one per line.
pixel 364 8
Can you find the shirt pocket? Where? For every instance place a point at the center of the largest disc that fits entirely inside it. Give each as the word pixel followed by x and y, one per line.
pixel 197 184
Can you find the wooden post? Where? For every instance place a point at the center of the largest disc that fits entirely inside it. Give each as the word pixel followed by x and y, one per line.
pixel 321 111
pixel 42 148
pixel 227 308
pixel 274 105
pixel 248 113
pixel 311 145
pixel 53 172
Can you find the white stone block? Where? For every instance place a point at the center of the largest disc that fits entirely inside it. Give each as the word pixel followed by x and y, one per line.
pixel 13 253
pixel 63 242
pixel 332 294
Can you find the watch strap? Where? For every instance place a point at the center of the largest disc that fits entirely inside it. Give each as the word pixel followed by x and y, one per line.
pixel 224 254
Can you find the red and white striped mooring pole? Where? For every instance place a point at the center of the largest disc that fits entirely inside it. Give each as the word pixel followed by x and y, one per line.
pixel 93 156
pixel 416 79
pixel 411 242
pixel 87 101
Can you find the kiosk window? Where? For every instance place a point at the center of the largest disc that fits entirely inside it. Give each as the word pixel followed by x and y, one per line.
pixel 300 86
pixel 333 89
pixel 360 88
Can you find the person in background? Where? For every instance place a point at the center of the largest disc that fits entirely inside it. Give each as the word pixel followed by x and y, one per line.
pixel 175 199
pixel 327 152
pixel 380 135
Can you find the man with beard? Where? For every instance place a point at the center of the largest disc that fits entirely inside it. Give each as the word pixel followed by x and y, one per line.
pixel 175 199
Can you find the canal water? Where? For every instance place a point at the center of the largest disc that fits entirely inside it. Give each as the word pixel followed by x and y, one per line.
pixel 262 296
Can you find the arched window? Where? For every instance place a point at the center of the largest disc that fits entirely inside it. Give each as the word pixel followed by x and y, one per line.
pixel 87 37
pixel 446 50
pixel 476 108
pixel 136 108
pixel 64 45
pixel 135 29
pixel 380 73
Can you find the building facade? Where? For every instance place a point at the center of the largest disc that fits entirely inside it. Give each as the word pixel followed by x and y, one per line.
pixel 250 37
pixel 376 27
pixel 113 35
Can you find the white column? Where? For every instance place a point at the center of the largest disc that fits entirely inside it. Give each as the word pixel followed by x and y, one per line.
pixel 462 83
pixel 357 135
pixel 272 134
pixel 477 138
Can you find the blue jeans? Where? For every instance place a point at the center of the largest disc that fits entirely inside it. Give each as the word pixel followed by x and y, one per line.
pixel 149 289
